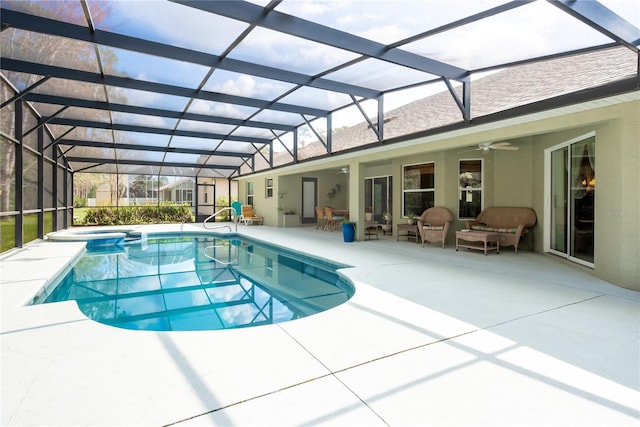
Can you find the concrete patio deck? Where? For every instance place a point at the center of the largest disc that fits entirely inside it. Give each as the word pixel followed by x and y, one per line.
pixel 431 337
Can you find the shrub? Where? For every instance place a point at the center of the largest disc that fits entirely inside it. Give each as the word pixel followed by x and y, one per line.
pixel 100 216
pixel 79 202
pixel 138 215
pixel 221 202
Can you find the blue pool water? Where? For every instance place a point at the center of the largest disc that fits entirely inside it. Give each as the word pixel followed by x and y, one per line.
pixel 198 283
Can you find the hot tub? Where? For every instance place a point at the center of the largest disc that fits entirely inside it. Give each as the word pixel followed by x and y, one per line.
pixel 94 238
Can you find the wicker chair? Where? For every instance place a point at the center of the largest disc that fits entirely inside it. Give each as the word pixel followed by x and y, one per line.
pixel 332 220
pixel 322 219
pixel 434 224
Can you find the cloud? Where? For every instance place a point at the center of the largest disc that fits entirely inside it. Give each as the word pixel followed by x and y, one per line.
pixel 529 31
pixel 140 120
pixel 175 24
pixel 242 86
pixel 308 9
pixel 385 34
pixel 218 109
pixel 288 52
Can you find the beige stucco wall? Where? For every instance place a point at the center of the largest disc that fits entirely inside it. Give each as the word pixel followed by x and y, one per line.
pixel 288 192
pixel 617 203
pixel 511 178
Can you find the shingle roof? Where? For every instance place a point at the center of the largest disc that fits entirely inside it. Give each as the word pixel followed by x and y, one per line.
pixel 512 87
pixel 175 183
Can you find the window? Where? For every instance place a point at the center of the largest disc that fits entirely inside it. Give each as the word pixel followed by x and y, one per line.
pixel 268 267
pixel 187 195
pixel 250 193
pixel 469 188
pixel 249 255
pixel 419 188
pixel 269 188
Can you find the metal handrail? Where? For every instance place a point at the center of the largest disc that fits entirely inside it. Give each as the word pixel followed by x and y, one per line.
pixel 211 257
pixel 233 218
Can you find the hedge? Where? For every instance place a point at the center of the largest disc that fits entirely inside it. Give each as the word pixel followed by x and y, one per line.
pixel 138 215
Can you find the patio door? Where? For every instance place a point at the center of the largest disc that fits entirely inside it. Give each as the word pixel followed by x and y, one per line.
pixel 377 197
pixel 206 196
pixel 309 200
pixel 571 186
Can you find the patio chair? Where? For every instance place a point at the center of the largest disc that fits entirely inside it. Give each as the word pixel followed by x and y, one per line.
pixel 249 216
pixel 322 219
pixel 434 224
pixel 332 220
pixel 237 207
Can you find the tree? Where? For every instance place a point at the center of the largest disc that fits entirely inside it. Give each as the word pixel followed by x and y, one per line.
pixel 46 49
pixel 138 188
pixel 85 184
pixel 7 171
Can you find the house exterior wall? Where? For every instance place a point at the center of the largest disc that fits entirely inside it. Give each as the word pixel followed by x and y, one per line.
pixel 516 178
pixel 617 208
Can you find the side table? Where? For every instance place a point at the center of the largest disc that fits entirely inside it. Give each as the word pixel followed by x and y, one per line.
pixel 370 229
pixel 410 232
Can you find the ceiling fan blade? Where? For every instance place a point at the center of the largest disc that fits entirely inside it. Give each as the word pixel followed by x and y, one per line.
pixel 507 148
pixel 500 144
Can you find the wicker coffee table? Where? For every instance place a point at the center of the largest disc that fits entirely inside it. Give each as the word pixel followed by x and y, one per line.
pixel 479 240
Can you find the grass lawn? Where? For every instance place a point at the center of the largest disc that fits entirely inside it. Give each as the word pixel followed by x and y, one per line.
pixel 79 214
pixel 8 231
pixel 8 228
pixel 8 225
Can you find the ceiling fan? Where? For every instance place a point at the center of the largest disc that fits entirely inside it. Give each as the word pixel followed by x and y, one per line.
pixel 344 169
pixel 486 147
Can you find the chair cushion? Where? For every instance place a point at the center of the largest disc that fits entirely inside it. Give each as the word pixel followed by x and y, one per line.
pixel 484 227
pixel 433 227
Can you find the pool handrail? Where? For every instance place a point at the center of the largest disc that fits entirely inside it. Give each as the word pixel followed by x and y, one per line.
pixel 211 257
pixel 233 219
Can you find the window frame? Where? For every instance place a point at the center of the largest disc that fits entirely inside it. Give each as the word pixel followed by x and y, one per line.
pixel 268 188
pixel 250 193
pixel 405 191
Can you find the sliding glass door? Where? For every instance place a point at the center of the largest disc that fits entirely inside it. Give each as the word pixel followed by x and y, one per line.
pixel 559 199
pixel 377 195
pixel 571 202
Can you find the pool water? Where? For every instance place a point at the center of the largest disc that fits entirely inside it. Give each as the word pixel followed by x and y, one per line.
pixel 198 283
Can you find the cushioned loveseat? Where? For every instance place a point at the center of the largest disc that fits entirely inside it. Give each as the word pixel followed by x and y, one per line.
pixel 512 223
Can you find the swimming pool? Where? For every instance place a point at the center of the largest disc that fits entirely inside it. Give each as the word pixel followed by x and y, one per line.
pixel 197 282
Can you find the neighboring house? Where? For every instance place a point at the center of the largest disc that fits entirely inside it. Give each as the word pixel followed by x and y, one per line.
pixel 566 142
pixel 103 195
pixel 179 191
